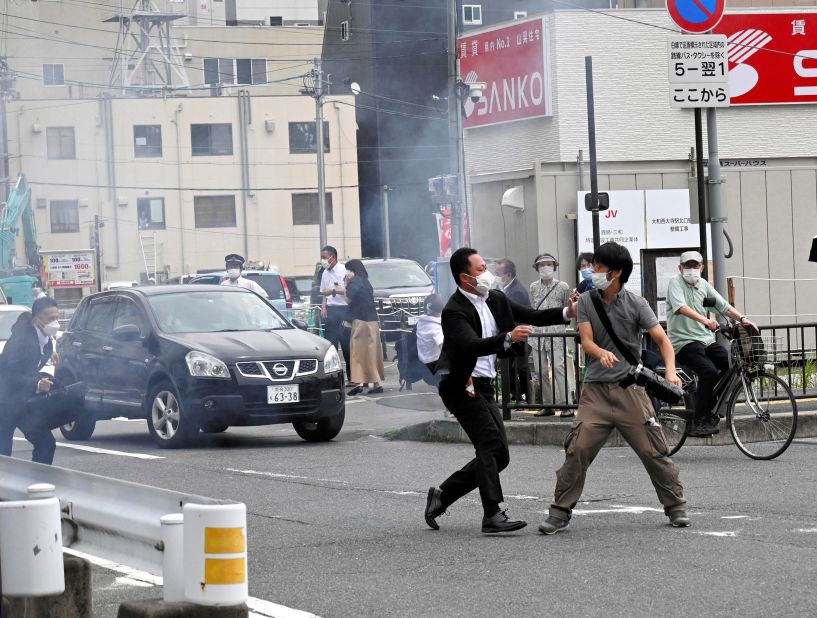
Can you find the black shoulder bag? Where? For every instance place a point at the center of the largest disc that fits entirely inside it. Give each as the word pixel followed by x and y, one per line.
pixel 656 385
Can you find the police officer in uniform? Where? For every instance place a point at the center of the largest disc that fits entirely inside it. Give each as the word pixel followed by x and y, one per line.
pixel 235 264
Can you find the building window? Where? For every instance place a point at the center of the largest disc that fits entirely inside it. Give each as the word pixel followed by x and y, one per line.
pixel 302 138
pixel 276 20
pixel 211 139
pixel 344 30
pixel 520 14
pixel 147 140
pixel 472 14
pixel 151 213
pixel 53 75
pixel 214 210
pixel 251 70
pixel 64 216
pixel 231 71
pixel 305 209
pixel 60 143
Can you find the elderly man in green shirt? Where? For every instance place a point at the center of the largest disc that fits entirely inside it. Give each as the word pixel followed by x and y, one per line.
pixel 691 332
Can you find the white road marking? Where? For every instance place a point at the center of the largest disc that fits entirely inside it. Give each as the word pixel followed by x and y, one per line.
pixel 807 530
pixel 727 533
pixel 102 451
pixel 134 577
pixel 617 508
pixel 277 475
pixel 736 517
pixel 524 497
pixel 122 419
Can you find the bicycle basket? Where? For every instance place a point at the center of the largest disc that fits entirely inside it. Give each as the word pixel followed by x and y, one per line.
pixel 749 343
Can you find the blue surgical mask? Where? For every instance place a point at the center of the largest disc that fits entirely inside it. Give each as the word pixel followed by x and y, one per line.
pixel 586 274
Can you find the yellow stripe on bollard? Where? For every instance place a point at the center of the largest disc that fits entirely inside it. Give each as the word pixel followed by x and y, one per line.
pixel 224 541
pixel 225 571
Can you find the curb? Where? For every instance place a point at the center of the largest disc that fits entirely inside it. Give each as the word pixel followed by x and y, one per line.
pixel 555 433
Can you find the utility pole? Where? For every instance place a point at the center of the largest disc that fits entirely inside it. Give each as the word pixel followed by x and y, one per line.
pixel 313 86
pixel 454 130
pixel 6 88
pixel 699 172
pixel 386 238
pixel 98 223
pixel 591 130
pixel 717 215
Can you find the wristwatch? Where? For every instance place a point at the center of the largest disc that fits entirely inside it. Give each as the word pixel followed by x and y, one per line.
pixel 508 340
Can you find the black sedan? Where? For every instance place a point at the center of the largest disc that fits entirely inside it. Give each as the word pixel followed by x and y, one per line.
pixel 191 358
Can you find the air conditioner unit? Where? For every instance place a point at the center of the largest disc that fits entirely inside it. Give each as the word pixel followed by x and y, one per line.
pixel 269 125
pixel 36 128
pixel 122 200
pixel 83 202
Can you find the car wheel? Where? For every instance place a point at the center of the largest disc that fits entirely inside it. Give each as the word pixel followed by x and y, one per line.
pixel 167 422
pixel 80 429
pixel 214 428
pixel 322 430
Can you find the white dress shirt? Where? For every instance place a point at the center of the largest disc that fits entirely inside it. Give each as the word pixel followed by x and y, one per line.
pixel 429 338
pixel 485 367
pixel 332 278
pixel 247 284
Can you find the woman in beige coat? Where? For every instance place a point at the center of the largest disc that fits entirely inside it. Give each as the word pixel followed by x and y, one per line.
pixel 366 354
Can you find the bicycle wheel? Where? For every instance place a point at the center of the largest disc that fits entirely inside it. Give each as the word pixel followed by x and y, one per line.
pixel 762 415
pixel 674 424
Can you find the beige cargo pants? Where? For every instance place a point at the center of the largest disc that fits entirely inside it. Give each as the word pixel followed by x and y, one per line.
pixel 602 407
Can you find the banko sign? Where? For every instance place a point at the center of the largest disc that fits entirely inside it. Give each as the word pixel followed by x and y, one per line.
pixel 772 57
pixel 514 62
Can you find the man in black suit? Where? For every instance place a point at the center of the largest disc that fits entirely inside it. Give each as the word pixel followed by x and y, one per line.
pixel 479 324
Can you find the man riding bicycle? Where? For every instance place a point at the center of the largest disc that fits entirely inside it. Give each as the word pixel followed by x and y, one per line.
pixel 692 334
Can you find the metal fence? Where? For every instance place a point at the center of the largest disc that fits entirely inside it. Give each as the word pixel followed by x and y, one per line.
pixel 550 379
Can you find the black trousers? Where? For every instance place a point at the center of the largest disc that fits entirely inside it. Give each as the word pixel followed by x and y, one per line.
pixel 40 437
pixel 708 363
pixel 481 420
pixel 337 334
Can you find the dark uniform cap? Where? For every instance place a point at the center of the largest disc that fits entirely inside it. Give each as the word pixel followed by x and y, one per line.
pixel 234 258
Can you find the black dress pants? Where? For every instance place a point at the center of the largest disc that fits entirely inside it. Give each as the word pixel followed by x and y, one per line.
pixel 481 420
pixel 337 333
pixel 40 437
pixel 708 363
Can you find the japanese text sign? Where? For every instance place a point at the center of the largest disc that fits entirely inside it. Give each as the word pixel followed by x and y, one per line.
pixel 70 268
pixel 772 57
pixel 514 63
pixel 699 95
pixel 697 59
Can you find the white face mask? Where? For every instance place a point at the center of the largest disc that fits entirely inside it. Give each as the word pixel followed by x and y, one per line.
pixel 51 329
pixel 546 272
pixel 233 273
pixel 692 275
pixel 601 281
pixel 485 281
pixel 325 264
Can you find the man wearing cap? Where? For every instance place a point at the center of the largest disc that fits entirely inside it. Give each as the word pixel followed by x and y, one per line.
pixel 548 292
pixel 235 264
pixel 691 332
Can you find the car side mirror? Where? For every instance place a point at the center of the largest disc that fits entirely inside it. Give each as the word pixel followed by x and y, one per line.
pixel 710 301
pixel 300 324
pixel 127 332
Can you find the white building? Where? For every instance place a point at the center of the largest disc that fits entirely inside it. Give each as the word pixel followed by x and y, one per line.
pixel 768 153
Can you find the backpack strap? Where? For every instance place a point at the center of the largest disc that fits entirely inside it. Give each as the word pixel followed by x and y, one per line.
pixel 605 321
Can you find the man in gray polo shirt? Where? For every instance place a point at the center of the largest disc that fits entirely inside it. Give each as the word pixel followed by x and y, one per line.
pixel 604 404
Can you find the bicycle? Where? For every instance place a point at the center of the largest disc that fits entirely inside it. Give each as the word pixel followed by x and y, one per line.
pixel 759 407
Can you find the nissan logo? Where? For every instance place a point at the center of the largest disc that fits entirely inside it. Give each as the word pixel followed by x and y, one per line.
pixel 279 369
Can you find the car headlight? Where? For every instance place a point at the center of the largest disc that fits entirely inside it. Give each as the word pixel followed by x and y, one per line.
pixel 331 362
pixel 203 365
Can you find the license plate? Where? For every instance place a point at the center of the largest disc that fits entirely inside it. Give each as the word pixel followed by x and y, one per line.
pixel 283 394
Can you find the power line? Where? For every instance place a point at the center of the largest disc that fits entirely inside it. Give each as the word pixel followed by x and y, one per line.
pixel 179 188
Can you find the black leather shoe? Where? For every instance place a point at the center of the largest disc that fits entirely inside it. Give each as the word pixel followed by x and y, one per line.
pixel 434 507
pixel 375 391
pixel 355 390
pixel 501 523
pixel 703 429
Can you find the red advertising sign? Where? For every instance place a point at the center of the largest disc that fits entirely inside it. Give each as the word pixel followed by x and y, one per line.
pixel 514 63
pixel 772 57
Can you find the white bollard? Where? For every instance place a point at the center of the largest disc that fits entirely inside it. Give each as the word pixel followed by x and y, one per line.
pixel 215 554
pixel 31 545
pixel 173 557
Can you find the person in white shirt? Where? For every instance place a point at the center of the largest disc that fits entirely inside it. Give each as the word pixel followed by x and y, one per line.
pixel 430 332
pixel 235 264
pixel 334 308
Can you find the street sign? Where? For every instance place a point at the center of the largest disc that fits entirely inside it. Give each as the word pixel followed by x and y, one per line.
pixel 68 269
pixel 696 16
pixel 697 59
pixel 698 71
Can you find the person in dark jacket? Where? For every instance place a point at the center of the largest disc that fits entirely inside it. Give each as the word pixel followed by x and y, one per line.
pixel 30 347
pixel 366 352
pixel 514 289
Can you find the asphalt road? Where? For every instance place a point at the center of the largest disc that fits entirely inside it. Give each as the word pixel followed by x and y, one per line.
pixel 336 529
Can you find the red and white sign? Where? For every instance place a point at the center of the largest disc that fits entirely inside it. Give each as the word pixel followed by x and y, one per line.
pixel 696 16
pixel 514 63
pixel 772 57
pixel 69 269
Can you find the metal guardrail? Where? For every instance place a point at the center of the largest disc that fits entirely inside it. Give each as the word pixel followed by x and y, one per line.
pixel 108 518
pixel 796 358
